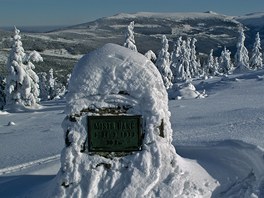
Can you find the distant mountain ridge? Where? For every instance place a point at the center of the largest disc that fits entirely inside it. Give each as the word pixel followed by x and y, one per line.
pixel 212 30
pixel 253 19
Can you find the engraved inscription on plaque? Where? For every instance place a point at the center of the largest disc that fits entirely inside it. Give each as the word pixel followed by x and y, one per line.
pixel 114 133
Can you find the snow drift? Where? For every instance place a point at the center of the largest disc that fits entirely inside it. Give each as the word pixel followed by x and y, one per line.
pixel 125 82
pixel 185 91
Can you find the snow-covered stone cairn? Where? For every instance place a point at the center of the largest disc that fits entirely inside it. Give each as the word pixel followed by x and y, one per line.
pixel 116 81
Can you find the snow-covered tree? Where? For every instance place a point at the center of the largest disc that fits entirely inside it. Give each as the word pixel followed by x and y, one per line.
pixel 256 60
pixel 55 88
pixel 15 89
pixel 204 70
pixel 212 64
pixel 2 93
pixel 194 65
pixel 225 64
pixel 185 58
pixel 200 68
pixel 181 62
pixel 50 88
pixel 68 79
pixel 216 65
pixel 22 82
pixel 33 77
pixel 51 84
pixel 184 62
pixel 59 90
pixel 151 56
pixel 44 92
pixel 175 55
pixel 163 63
pixel 129 37
pixel 241 56
pixel 176 62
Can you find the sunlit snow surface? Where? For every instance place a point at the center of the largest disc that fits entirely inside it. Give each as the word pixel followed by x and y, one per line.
pixel 36 134
pixel 223 132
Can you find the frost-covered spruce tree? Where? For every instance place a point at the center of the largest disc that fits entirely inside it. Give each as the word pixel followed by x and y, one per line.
pixel 188 56
pixel 216 65
pixel 185 58
pixel 2 93
pixel 163 63
pixel 241 56
pixel 129 37
pixel 193 59
pixel 200 68
pixel 51 84
pixel 256 61
pixel 175 55
pixel 15 87
pixel 33 77
pixel 225 64
pixel 184 64
pixel 211 66
pixel 59 90
pixel 176 62
pixel 44 92
pixel 55 88
pixel 204 70
pixel 22 81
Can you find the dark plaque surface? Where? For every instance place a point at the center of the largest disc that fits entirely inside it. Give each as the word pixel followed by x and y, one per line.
pixel 114 133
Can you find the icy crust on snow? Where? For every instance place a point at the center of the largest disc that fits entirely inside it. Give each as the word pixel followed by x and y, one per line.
pixel 112 77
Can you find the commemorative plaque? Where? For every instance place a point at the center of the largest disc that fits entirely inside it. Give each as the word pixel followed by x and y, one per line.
pixel 114 133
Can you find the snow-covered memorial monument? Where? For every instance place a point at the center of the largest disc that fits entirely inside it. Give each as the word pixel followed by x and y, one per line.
pixel 118 133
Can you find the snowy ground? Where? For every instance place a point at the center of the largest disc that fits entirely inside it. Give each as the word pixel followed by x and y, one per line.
pixel 223 132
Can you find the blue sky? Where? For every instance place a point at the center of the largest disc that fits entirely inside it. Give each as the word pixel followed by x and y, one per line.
pixel 69 12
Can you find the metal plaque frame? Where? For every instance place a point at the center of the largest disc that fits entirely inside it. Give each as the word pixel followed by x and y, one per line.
pixel 114 133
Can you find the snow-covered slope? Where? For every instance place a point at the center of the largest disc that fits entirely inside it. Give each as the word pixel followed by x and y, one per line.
pixel 30 136
pixel 252 19
pixel 223 133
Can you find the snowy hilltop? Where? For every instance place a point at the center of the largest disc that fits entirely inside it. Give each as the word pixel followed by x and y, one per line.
pixel 62 48
pixel 199 109
pixel 223 133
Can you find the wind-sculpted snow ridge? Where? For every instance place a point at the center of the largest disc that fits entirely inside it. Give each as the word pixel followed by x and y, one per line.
pixel 236 165
pixel 185 91
pixel 116 76
pixel 28 164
